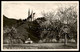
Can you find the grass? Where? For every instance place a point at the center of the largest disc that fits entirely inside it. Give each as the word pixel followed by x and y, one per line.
pixel 41 46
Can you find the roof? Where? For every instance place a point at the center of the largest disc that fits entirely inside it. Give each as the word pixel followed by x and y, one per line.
pixel 28 39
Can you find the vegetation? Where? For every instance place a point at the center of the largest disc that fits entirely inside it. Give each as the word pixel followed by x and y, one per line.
pixel 66 17
pixel 40 46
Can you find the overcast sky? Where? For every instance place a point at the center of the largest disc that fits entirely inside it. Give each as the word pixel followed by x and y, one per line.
pixel 19 10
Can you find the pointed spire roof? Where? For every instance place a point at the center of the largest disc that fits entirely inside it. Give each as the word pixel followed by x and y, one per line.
pixel 29 12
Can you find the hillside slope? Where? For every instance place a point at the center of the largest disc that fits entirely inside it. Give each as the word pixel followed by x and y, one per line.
pixel 23 29
pixel 8 22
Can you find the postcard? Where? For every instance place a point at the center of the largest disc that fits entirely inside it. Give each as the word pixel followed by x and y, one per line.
pixel 39 25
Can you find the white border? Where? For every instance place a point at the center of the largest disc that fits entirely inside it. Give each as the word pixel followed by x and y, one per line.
pixel 39 49
pixel 40 1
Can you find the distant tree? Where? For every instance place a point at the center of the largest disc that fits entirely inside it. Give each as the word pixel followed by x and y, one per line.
pixel 63 15
pixel 69 16
pixel 51 23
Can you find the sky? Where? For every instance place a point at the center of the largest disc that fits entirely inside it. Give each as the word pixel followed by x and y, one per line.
pixel 19 10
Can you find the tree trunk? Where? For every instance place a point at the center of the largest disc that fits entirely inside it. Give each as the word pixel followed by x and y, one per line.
pixel 65 42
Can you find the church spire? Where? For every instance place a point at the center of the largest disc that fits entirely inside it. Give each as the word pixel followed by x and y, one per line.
pixel 32 15
pixel 28 12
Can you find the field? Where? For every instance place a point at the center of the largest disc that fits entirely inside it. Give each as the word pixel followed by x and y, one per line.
pixel 41 46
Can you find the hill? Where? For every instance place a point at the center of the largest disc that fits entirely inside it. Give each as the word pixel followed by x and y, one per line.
pixel 25 29
pixel 8 22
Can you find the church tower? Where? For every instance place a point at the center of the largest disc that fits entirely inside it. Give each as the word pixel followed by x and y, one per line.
pixel 28 12
pixel 30 15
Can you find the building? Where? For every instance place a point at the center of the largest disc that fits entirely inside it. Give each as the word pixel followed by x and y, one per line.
pixel 30 15
pixel 28 41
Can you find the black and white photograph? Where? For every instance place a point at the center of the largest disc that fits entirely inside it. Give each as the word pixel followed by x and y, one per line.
pixel 39 25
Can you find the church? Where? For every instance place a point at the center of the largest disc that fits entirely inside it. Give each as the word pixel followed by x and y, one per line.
pixel 30 15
